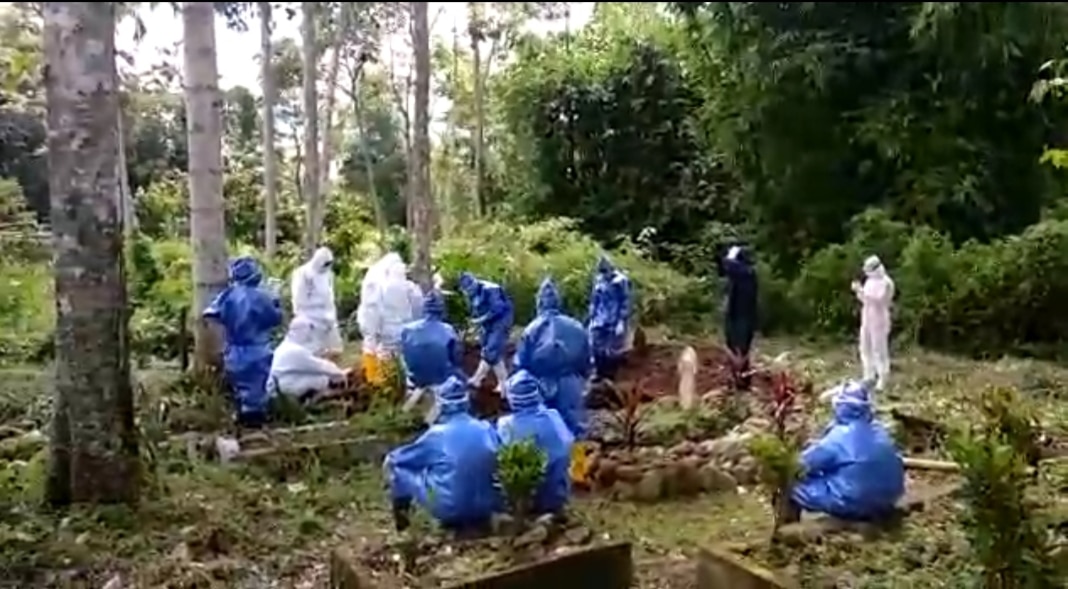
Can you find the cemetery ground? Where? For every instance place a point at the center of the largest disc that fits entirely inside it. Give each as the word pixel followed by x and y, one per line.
pixel 276 523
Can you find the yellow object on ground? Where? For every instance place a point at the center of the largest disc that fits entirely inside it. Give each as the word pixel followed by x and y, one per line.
pixel 372 369
pixel 580 465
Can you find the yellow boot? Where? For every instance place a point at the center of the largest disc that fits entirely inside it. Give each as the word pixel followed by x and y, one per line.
pixel 372 368
pixel 579 469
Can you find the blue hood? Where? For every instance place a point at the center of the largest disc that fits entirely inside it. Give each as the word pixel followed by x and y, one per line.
pixel 468 284
pixel 604 266
pixel 523 392
pixel 433 305
pixel 548 300
pixel 852 403
pixel 245 271
pixel 452 397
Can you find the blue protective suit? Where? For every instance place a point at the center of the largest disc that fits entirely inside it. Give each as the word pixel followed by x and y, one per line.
pixel 451 469
pixel 555 349
pixel 431 350
pixel 740 322
pixel 248 315
pixel 531 419
pixel 492 311
pixel 854 470
pixel 609 316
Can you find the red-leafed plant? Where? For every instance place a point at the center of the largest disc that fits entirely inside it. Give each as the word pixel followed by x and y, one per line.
pixel 631 412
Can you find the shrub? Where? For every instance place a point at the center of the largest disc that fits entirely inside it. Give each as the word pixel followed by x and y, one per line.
pixel 519 257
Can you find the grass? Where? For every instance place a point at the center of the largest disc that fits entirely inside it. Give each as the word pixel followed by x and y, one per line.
pixel 205 525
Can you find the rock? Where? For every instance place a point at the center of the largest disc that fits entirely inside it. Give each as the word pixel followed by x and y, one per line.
pixel 650 488
pixel 689 478
pixel 23 447
pixel 534 536
pixel 684 448
pixel 746 472
pixel 755 425
pixel 503 524
pixel 114 582
pixel 670 476
pixel 226 448
pixel 715 480
pixel 623 491
pixel 628 473
pixel 606 474
pixel 578 536
pixel 8 431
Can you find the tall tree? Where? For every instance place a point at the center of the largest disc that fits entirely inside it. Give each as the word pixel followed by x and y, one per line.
pixel 310 70
pixel 420 181
pixel 270 157
pixel 94 444
pixel 207 226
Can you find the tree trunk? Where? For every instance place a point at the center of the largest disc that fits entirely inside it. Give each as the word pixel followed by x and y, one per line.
pixel 475 30
pixel 207 223
pixel 420 180
pixel 94 443
pixel 381 223
pixel 129 213
pixel 327 153
pixel 270 156
pixel 313 199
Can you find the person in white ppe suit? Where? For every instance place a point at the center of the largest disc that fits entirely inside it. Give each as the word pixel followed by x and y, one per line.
pixel 388 300
pixel 875 295
pixel 296 371
pixel 313 298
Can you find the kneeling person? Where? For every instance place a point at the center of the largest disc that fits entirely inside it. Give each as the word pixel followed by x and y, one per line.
pixel 530 419
pixel 296 371
pixel 450 469
pixel 431 350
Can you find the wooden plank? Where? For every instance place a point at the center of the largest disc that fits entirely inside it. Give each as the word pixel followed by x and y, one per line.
pixel 718 568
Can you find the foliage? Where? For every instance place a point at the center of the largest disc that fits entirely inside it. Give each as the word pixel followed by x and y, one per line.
pixel 628 418
pixel 521 467
pixel 1006 537
pixel 520 257
pixel 780 466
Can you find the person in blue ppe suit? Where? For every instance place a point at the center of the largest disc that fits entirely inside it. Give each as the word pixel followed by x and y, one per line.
pixel 430 348
pixel 609 318
pixel 248 315
pixel 854 470
pixel 740 322
pixel 555 349
pixel 493 314
pixel 532 420
pixel 450 469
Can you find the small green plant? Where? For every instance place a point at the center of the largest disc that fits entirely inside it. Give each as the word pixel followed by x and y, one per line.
pixel 521 467
pixel 630 416
pixel 1001 525
pixel 780 467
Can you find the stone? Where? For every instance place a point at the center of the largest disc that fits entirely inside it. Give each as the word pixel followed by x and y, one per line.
pixel 689 478
pixel 537 534
pixel 670 476
pixel 623 491
pixel 650 488
pixel 578 536
pixel 606 475
pixel 628 473
pixel 747 471
pixel 716 480
pixel 503 524
pixel 684 448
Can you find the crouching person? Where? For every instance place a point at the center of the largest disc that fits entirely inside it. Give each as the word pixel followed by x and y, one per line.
pixel 450 469
pixel 431 350
pixel 296 371
pixel 531 419
pixel 854 471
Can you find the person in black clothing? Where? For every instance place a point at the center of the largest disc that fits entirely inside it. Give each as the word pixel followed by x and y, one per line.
pixel 741 317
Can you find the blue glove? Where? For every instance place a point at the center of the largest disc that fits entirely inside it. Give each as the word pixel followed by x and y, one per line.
pixel 619 328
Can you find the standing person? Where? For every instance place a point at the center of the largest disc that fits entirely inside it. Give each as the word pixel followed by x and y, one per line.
pixel 313 297
pixel 875 296
pixel 609 318
pixel 555 350
pixel 740 321
pixel 248 314
pixel 492 312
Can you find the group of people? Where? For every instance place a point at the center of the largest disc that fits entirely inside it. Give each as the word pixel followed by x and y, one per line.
pixel 852 470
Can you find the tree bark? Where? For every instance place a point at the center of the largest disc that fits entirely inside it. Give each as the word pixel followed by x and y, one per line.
pixel 420 181
pixel 332 72
pixel 94 443
pixel 207 221
pixel 270 156
pixel 475 26
pixel 381 223
pixel 312 197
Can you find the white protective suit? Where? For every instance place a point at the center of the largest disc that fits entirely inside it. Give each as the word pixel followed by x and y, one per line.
pixel 875 296
pixel 296 371
pixel 367 313
pixel 313 298
pixel 400 302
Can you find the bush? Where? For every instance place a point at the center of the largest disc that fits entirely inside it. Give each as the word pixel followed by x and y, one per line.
pixel 519 257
